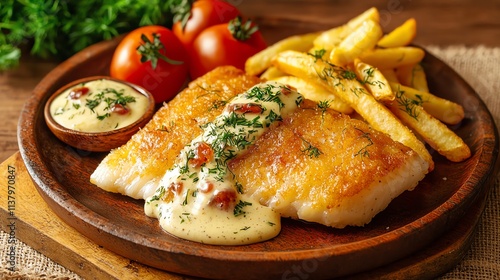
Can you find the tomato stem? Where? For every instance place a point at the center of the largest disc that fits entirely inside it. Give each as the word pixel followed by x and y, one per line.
pixel 241 31
pixel 150 51
pixel 182 12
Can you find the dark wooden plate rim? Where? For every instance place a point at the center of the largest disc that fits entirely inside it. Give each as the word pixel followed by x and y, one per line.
pixel 121 240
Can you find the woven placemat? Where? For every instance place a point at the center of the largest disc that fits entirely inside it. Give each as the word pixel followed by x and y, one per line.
pixel 480 67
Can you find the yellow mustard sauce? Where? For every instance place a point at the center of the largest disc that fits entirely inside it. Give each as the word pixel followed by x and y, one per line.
pixel 98 106
pixel 199 198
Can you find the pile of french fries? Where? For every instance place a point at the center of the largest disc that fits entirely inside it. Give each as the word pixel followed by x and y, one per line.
pixel 356 68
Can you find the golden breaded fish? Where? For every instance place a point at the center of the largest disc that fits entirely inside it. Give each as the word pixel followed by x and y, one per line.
pixel 135 168
pixel 322 166
pixel 317 165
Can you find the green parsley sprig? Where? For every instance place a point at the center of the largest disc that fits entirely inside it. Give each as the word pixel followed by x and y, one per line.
pixel 60 28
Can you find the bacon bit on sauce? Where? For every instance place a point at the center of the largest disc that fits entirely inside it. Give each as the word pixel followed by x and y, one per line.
pixel 206 187
pixel 224 200
pixel 176 187
pixel 202 154
pixel 120 109
pixel 287 90
pixel 76 93
pixel 245 108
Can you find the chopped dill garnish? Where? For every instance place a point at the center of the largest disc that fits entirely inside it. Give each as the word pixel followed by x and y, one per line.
pixel 358 91
pixel 111 97
pixel 160 192
pixel 349 75
pixel 367 79
pixel 207 91
pixel 238 209
pixel 239 187
pixel 217 104
pixel 363 152
pixel 166 128
pixel 318 54
pixel 408 105
pixel 323 105
pixel 309 149
pixel 272 117
pixel 185 202
pixel 266 94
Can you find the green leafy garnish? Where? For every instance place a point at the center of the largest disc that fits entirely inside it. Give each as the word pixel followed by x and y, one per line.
pixel 241 31
pixel 238 209
pixel 112 98
pixel 310 150
pixel 60 28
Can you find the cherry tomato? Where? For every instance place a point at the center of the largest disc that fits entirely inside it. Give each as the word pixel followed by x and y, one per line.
pixel 191 21
pixel 154 58
pixel 225 44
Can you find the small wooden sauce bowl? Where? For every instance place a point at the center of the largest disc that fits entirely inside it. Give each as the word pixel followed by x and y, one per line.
pixel 98 141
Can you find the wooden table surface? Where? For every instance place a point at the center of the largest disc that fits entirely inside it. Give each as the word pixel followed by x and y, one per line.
pixel 446 22
pixel 460 22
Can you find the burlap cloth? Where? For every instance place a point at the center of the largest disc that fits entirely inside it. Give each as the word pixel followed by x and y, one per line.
pixel 480 67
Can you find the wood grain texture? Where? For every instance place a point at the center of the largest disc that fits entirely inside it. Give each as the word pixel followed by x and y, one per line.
pixel 47 233
pixel 15 88
pixel 38 226
pixel 445 22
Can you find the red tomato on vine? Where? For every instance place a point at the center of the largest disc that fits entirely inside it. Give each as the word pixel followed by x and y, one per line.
pixel 191 20
pixel 225 44
pixel 154 58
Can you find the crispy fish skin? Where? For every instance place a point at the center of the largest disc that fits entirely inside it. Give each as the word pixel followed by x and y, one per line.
pixel 135 168
pixel 322 166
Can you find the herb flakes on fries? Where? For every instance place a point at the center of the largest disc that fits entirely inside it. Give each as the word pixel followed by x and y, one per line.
pixel 346 86
pixel 355 67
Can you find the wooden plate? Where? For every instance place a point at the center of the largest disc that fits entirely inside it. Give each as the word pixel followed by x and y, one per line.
pixel 302 250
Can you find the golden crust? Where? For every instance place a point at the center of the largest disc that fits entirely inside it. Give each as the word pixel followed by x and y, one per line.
pixel 153 149
pixel 280 169
pixel 318 165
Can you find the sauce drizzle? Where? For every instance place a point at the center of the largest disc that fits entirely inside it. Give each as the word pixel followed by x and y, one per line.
pixel 199 198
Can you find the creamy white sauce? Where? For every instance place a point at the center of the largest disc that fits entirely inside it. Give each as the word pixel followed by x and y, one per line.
pixel 93 109
pixel 199 199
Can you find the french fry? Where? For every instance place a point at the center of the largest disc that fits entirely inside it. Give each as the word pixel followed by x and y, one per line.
pixel 392 57
pixel 390 75
pixel 315 92
pixel 348 88
pixel 363 38
pixel 374 81
pixel 434 132
pixel 370 14
pixel 329 39
pixel 271 73
pixel 401 36
pixel 440 108
pixel 413 76
pixel 259 62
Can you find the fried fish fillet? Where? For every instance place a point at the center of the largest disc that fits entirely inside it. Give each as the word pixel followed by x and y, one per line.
pixel 136 168
pixel 317 165
pixel 322 166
